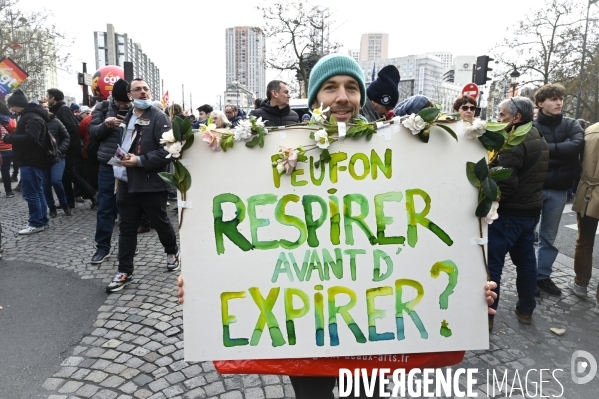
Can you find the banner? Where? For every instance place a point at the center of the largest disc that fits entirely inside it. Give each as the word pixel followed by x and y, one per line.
pixel 11 76
pixel 375 252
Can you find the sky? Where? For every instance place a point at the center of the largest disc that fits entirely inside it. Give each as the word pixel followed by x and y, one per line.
pixel 186 38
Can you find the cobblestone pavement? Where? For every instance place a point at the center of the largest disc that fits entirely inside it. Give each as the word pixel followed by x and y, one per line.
pixel 135 349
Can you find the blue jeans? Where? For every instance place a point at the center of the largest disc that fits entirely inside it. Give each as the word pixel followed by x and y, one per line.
pixel 5 170
pixel 53 178
pixel 554 202
pixel 32 188
pixel 106 207
pixel 515 235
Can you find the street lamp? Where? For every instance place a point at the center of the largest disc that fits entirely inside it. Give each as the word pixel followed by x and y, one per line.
pixel 584 53
pixel 514 80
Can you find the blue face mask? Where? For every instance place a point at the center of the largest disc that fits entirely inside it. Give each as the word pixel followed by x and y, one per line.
pixel 142 104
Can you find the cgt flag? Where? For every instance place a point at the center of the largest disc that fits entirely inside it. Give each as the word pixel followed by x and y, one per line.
pixel 11 76
pixel 165 100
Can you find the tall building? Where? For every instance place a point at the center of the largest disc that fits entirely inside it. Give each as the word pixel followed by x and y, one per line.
pixel 446 59
pixel 113 48
pixel 246 58
pixel 374 46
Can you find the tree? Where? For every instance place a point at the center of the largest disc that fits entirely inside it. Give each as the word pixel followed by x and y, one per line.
pixel 300 37
pixel 541 44
pixel 33 42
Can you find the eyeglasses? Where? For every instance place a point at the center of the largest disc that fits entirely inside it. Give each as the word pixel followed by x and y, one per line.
pixel 466 108
pixel 517 108
pixel 140 88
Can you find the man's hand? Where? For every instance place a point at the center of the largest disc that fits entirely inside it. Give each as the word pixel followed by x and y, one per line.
pixel 490 296
pixel 112 122
pixel 180 291
pixel 129 161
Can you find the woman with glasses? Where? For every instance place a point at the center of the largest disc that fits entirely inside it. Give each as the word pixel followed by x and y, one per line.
pixel 466 106
pixel 220 119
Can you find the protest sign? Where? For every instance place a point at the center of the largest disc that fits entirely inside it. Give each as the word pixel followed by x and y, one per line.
pixel 11 76
pixel 371 253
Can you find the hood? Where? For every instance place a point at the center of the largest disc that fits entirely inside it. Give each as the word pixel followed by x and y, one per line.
pixel 36 109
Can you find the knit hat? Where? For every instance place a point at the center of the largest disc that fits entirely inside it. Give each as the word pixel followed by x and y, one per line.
pixel 383 90
pixel 84 109
pixel 411 105
pixel 119 90
pixel 306 116
pixel 4 109
pixel 18 99
pixel 332 65
pixel 74 107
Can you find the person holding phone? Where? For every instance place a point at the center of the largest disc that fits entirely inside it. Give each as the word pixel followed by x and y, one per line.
pixel 104 130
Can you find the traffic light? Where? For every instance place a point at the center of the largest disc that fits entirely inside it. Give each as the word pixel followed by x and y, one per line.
pixel 482 68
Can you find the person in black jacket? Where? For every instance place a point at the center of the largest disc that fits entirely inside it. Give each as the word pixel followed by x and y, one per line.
pixel 519 207
pixel 53 174
pixel 28 152
pixel 70 177
pixel 105 133
pixel 566 141
pixel 275 110
pixel 140 188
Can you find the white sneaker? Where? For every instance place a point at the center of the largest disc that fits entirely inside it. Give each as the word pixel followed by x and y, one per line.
pixel 31 230
pixel 578 290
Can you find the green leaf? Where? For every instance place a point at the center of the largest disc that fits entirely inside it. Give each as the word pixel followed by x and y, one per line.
pixel 492 141
pixel 429 114
pixel 316 164
pixel 424 137
pixel 515 140
pixel 176 125
pixel 325 156
pixel 188 142
pixel 186 184
pixel 448 130
pixel 312 135
pixel 169 178
pixel 481 170
pixel 496 126
pixel 504 134
pixel 350 132
pixel 261 141
pixel 180 171
pixel 253 141
pixel 499 173
pixel 369 135
pixel 483 208
pixel 498 193
pixel 489 188
pixel 471 176
pixel 523 129
pixel 332 120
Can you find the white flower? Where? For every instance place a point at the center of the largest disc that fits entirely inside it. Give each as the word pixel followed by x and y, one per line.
pixel 258 122
pixel 318 114
pixel 493 215
pixel 322 139
pixel 415 123
pixel 475 129
pixel 243 131
pixel 167 137
pixel 174 149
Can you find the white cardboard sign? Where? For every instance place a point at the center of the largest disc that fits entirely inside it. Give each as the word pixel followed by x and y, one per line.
pixel 368 254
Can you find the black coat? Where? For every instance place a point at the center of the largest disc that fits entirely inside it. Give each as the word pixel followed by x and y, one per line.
pixel 522 192
pixel 69 120
pixel 566 143
pixel 106 136
pixel 60 134
pixel 29 137
pixel 275 116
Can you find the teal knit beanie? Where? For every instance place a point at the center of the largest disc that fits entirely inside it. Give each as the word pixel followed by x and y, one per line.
pixel 332 65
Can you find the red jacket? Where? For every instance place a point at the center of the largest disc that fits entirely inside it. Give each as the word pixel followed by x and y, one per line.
pixel 84 134
pixel 9 128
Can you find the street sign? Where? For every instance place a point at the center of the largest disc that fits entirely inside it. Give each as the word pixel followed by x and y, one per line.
pixel 87 79
pixel 470 89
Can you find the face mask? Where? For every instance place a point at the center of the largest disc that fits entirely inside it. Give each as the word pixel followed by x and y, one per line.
pixel 142 104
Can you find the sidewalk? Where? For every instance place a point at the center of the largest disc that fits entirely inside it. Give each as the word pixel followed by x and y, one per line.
pixel 135 348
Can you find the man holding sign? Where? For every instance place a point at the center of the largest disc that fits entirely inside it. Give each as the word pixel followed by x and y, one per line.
pixel 236 263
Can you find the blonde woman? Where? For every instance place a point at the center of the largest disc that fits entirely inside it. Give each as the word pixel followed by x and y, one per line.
pixel 176 110
pixel 220 119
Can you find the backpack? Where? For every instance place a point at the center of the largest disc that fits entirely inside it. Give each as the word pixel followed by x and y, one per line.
pixel 93 145
pixel 51 154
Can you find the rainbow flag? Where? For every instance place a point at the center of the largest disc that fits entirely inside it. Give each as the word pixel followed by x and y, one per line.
pixel 11 76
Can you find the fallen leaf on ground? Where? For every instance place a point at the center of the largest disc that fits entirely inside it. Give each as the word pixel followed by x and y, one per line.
pixel 558 331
